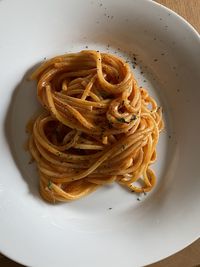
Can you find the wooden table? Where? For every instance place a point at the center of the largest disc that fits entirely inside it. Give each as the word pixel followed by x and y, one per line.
pixel 190 256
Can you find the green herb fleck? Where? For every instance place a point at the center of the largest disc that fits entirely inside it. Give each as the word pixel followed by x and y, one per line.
pixel 104 94
pixel 122 120
pixel 49 185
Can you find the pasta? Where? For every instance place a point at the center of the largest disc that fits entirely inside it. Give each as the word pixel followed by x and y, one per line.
pixel 97 127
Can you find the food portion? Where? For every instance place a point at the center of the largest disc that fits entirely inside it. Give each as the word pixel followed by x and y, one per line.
pixel 97 127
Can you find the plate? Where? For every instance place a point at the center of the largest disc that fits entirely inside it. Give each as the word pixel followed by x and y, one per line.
pixel 110 227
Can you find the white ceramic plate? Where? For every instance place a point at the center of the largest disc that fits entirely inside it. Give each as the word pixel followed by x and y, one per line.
pixel 88 232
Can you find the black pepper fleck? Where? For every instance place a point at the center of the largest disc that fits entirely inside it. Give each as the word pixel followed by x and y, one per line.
pixel 86 46
pixel 155 60
pixel 134 117
pixel 110 125
pixel 110 208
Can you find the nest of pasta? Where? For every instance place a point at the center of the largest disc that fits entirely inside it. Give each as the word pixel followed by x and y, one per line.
pixel 97 126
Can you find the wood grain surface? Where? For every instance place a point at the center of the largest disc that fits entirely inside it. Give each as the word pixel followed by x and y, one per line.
pixel 189 9
pixel 190 256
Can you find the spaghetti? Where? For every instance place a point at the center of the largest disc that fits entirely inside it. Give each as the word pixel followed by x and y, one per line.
pixel 97 127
